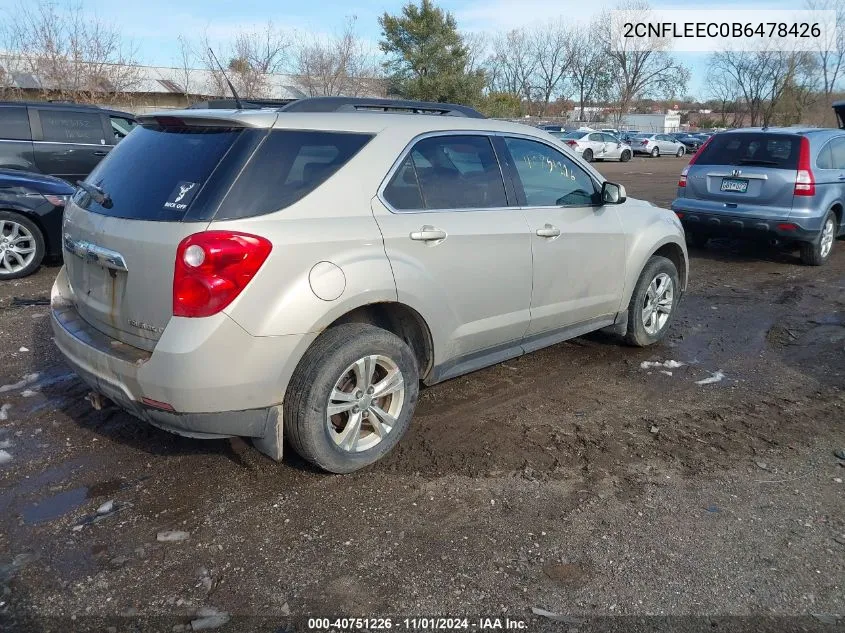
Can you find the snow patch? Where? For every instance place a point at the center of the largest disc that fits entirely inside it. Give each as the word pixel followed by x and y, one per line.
pixel 668 364
pixel 28 379
pixel 714 377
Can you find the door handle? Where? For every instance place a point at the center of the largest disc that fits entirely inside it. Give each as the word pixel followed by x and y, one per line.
pixel 841 176
pixel 100 153
pixel 548 231
pixel 428 234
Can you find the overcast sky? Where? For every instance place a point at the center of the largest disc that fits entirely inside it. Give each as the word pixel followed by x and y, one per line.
pixel 154 25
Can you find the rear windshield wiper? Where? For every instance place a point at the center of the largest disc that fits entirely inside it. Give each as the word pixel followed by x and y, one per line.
pixel 757 161
pixel 97 195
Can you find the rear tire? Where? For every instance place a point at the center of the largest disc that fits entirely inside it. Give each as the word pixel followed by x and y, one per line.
pixel 818 251
pixel 655 153
pixel 28 236
pixel 625 157
pixel 656 296
pixel 588 155
pixel 681 151
pixel 337 367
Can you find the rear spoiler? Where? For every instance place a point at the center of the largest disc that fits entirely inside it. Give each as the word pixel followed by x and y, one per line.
pixel 178 119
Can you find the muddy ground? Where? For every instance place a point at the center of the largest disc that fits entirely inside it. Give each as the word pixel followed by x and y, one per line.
pixel 570 480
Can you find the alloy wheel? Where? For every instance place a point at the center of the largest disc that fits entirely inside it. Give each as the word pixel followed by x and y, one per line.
pixel 658 303
pixel 17 247
pixel 827 238
pixel 365 403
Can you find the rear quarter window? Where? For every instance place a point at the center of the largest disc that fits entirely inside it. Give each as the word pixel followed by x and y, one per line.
pixel 14 124
pixel 288 166
pixel 748 148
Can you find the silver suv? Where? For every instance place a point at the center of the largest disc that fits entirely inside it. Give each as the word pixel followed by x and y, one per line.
pixel 295 274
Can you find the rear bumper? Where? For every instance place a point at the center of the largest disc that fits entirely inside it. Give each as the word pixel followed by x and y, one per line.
pixel 743 226
pixel 219 380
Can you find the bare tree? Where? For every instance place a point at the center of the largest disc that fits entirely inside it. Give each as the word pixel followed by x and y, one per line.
pixel 642 67
pixel 762 77
pixel 476 44
pixel 186 63
pixel 250 59
pixel 830 61
pixel 337 65
pixel 553 51
pixel 590 68
pixel 724 90
pixel 71 54
pixel 513 64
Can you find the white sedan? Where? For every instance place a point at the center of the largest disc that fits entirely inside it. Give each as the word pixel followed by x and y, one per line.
pixel 596 145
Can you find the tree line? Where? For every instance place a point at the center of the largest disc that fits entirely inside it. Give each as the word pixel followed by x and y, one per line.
pixel 539 70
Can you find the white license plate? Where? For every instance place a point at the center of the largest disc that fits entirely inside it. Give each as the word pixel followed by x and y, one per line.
pixel 735 186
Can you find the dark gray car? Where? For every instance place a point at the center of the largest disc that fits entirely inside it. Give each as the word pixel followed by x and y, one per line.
pixel 783 184
pixel 65 140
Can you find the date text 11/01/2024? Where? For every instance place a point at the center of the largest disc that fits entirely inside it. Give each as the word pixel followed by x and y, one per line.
pixel 416 624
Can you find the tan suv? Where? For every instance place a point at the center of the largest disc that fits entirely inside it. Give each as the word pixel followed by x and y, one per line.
pixel 295 274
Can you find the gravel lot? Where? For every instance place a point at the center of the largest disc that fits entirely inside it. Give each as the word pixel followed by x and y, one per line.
pixel 570 480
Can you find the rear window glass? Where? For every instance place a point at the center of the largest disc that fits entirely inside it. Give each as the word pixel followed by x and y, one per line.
pixel 155 173
pixel 749 148
pixel 288 166
pixel 14 124
pixel 568 135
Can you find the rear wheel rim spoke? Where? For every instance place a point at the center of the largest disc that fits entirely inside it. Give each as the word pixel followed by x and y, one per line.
pixel 17 247
pixel 365 403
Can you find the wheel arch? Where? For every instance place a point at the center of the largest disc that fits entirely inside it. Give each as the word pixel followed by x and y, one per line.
pixel 36 220
pixel 403 321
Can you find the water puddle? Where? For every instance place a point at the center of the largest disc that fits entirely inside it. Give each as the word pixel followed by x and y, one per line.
pixel 54 507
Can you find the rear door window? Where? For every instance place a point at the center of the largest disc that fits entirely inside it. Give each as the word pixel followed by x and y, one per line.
pixel 288 166
pixel 752 148
pixel 156 172
pixel 448 172
pixel 14 124
pixel 67 126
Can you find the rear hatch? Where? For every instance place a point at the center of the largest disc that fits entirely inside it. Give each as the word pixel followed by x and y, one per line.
pixel 753 168
pixel 164 181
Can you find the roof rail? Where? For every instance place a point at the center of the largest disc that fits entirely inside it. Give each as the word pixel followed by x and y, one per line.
pixel 362 104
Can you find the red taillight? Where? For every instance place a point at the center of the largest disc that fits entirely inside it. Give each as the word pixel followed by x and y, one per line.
pixel 644 141
pixel 680 214
pixel 682 181
pixel 787 227
pixel 572 143
pixel 805 183
pixel 212 268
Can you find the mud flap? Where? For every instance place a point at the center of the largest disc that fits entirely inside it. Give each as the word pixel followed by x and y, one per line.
pixel 620 325
pixel 271 443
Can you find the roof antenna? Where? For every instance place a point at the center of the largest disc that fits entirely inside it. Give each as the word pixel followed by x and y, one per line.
pixel 231 87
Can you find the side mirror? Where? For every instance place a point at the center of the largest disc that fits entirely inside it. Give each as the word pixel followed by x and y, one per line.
pixel 611 193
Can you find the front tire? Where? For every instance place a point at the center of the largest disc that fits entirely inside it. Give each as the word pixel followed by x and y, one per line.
pixel 818 251
pixel 653 304
pixel 655 153
pixel 351 398
pixel 22 246
pixel 625 157
pixel 681 151
pixel 588 155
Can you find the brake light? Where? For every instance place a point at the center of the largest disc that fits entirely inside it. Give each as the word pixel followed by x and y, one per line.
pixel 572 143
pixel 680 214
pixel 805 183
pixel 644 141
pixel 682 181
pixel 787 227
pixel 212 268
